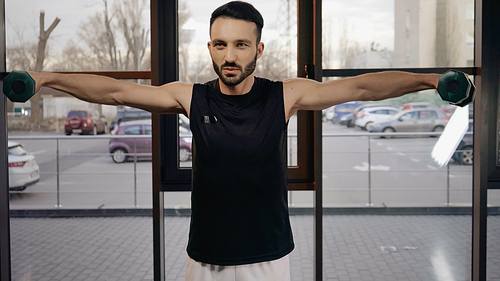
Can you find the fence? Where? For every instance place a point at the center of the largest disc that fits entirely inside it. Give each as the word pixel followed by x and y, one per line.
pixel 360 169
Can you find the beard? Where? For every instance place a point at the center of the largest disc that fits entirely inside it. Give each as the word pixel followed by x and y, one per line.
pixel 232 79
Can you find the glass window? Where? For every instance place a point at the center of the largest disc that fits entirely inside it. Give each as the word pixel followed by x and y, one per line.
pixel 428 114
pixel 147 130
pixel 388 33
pixel 91 35
pixel 133 130
pixel 81 114
pixel 17 150
pixel 410 116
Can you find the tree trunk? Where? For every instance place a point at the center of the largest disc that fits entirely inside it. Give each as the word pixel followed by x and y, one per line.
pixel 36 109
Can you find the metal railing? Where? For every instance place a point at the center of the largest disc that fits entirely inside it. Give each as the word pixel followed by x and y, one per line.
pixel 368 150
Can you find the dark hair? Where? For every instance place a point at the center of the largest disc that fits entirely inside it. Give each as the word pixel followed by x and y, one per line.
pixel 241 11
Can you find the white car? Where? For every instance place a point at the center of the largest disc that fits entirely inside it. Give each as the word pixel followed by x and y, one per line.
pixel 23 169
pixel 370 115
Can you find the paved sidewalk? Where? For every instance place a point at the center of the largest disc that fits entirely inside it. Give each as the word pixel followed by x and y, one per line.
pixel 356 247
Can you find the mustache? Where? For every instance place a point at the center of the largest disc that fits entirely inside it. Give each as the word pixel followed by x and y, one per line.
pixel 231 64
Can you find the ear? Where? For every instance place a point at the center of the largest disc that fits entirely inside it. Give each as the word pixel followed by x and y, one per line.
pixel 260 49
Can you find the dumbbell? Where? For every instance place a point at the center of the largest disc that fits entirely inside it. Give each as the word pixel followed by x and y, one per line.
pixel 18 86
pixel 456 88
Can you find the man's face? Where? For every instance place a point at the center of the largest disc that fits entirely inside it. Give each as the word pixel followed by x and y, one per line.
pixel 234 49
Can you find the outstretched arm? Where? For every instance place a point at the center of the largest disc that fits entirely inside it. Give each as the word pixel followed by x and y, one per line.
pixel 170 98
pixel 306 94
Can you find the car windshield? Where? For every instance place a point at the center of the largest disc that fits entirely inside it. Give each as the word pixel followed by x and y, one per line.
pixel 81 114
pixel 17 150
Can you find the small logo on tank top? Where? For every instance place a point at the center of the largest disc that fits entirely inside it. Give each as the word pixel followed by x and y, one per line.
pixel 208 119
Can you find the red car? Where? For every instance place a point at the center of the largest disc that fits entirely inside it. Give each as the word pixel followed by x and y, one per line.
pixel 122 149
pixel 83 122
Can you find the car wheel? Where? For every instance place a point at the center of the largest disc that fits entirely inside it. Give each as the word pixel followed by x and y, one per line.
pixel 467 156
pixel 388 130
pixel 437 129
pixel 119 155
pixel 368 126
pixel 184 154
pixel 67 133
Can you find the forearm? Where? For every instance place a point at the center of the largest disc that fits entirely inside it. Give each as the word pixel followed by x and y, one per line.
pixel 90 88
pixel 391 84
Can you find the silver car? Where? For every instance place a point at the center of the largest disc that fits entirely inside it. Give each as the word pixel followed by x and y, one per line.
pixel 413 120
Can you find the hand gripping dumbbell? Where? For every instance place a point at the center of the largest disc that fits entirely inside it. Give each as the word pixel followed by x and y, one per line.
pixel 456 88
pixel 18 86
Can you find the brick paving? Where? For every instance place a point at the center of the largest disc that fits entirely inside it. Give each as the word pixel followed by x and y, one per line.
pixel 356 248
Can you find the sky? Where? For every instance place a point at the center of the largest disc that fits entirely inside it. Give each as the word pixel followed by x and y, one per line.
pixel 367 20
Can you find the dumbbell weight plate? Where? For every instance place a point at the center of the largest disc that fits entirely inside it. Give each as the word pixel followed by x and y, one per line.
pixel 471 94
pixel 18 86
pixel 455 87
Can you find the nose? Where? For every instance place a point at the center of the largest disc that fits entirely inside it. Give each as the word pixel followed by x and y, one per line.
pixel 230 55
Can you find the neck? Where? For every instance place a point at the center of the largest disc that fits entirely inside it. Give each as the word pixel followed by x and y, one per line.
pixel 244 87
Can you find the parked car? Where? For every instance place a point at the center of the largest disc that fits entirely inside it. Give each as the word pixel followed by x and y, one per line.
pixel 85 122
pixel 368 116
pixel 122 149
pixel 129 115
pixel 23 169
pixel 328 114
pixel 343 109
pixel 413 120
pixel 464 153
pixel 347 120
pixel 364 106
pixel 415 105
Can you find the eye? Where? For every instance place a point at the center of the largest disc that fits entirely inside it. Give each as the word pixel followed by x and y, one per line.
pixel 219 45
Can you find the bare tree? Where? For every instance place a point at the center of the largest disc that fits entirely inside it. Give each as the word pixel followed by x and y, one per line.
pixel 97 33
pixel 36 110
pixel 185 38
pixel 130 21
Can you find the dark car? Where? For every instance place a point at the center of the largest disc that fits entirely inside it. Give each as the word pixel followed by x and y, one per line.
pixel 129 115
pixel 464 154
pixel 343 109
pixel 122 149
pixel 84 122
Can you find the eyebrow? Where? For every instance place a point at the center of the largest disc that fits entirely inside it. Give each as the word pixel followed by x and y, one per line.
pixel 215 41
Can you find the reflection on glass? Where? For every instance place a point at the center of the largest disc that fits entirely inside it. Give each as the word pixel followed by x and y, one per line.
pixel 388 33
pixel 185 142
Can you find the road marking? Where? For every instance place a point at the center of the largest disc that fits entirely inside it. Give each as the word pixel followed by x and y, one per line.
pixel 401 154
pixel 390 148
pixel 379 143
pixel 414 160
pixel 431 167
pixel 364 167
pixel 39 152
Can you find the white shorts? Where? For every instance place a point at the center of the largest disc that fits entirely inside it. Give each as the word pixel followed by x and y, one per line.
pixel 276 270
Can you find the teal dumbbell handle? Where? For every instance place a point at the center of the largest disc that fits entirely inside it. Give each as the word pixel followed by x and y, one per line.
pixel 18 86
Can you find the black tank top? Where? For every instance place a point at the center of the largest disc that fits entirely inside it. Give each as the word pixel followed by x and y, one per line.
pixel 239 196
